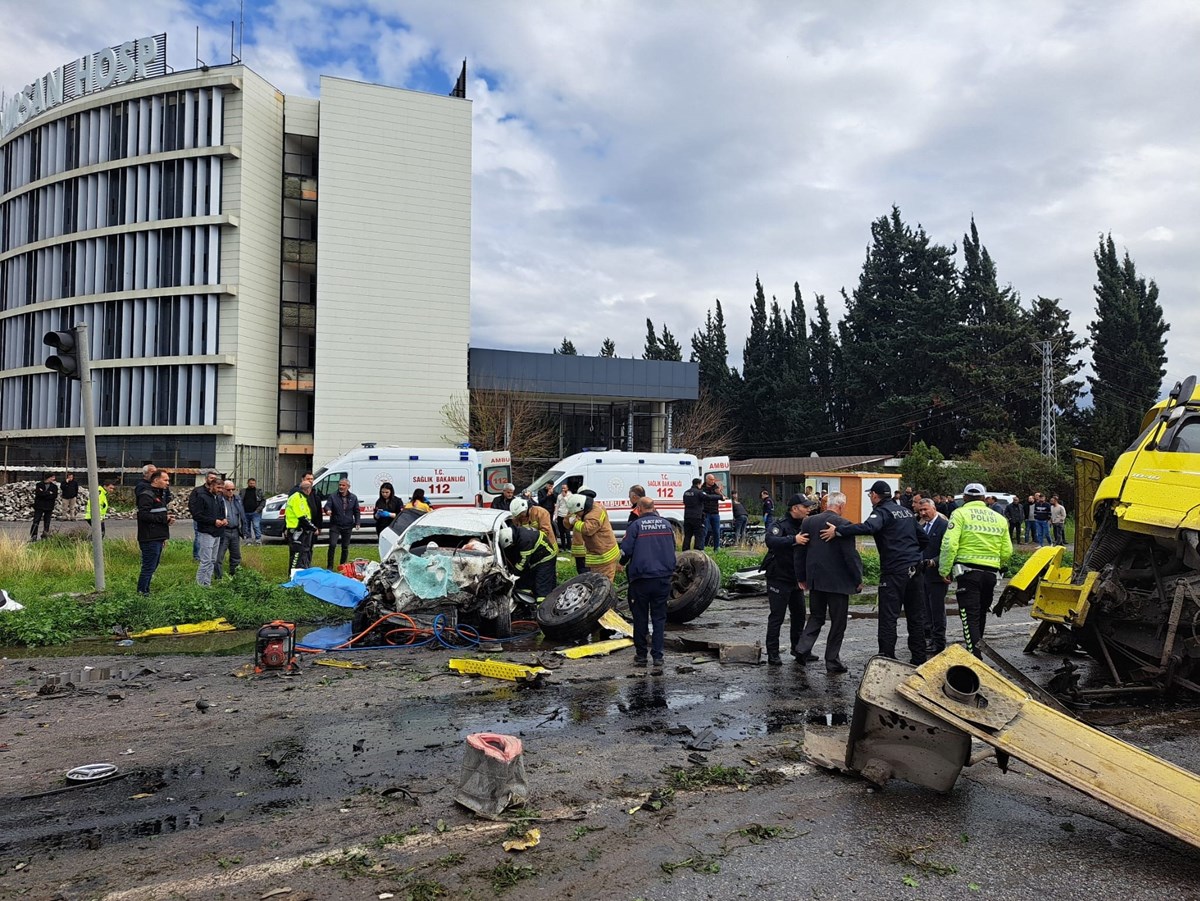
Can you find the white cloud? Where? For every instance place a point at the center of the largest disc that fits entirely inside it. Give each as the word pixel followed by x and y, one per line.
pixel 636 159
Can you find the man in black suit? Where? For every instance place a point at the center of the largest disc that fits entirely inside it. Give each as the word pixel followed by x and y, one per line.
pixel 933 524
pixel 831 571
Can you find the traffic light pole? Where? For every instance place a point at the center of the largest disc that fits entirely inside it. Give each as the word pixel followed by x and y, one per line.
pixel 89 441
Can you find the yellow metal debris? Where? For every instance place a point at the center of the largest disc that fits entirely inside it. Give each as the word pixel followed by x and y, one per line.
pixel 614 622
pixel 967 693
pixel 597 648
pixel 339 664
pixel 529 840
pixel 497 669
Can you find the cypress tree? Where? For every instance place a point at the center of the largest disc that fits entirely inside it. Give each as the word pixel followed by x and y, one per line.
pixel 1129 350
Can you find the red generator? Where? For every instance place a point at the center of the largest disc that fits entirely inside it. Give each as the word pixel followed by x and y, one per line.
pixel 275 648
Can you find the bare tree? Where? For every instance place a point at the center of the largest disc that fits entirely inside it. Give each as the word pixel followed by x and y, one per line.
pixel 705 426
pixel 496 419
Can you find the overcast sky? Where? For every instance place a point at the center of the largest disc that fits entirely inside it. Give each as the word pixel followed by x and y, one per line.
pixel 638 159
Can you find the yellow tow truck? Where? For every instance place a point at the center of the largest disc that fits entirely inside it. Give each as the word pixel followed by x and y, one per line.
pixel 1132 598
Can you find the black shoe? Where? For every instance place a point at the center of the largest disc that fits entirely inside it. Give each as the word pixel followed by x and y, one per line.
pixel 774 660
pixel 639 661
pixel 835 668
pixel 657 668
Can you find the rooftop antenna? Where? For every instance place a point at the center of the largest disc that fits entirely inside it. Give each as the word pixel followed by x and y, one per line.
pixel 200 64
pixel 233 57
pixel 241 27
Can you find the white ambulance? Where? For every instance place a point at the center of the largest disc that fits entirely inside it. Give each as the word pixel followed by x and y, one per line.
pixel 451 477
pixel 612 473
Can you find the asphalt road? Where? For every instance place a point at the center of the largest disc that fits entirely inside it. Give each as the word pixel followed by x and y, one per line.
pixel 203 816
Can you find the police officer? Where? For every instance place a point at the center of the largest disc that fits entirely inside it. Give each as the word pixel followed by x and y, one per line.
pixel 975 548
pixel 693 517
pixel 784 594
pixel 648 555
pixel 899 540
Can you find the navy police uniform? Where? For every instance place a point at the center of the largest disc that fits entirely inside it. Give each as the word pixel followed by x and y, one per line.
pixel 784 595
pixel 900 540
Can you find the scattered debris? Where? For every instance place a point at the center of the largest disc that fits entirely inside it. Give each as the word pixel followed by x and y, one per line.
pixel 530 839
pixel 339 664
pixel 705 741
pixel 596 648
pixel 92 772
pixel 202 628
pixel 498 669
pixel 493 774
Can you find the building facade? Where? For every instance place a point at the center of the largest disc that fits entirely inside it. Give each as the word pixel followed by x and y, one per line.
pixel 266 279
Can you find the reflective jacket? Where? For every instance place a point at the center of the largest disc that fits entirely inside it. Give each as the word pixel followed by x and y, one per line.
pixel 648 548
pixel 529 549
pixel 536 517
pixel 975 536
pixel 897 534
pixel 297 512
pixel 599 542
pixel 87 508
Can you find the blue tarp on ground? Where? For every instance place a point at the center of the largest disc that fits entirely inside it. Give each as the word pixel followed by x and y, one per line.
pixel 326 638
pixel 331 587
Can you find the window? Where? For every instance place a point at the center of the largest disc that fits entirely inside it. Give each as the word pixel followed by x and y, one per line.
pixel 328 484
pixel 1187 437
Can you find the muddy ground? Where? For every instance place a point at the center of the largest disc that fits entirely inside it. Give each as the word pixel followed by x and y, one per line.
pixel 338 784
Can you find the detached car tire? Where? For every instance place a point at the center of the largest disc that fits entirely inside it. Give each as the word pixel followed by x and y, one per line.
pixel 696 581
pixel 573 609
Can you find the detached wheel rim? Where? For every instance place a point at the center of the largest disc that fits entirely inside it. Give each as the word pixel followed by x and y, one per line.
pixel 573 597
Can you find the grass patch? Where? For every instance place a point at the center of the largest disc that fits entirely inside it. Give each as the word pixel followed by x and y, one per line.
pixel 395 838
pixel 580 831
pixel 701 777
pixel 505 875
pixel 45 575
pixel 446 861
pixel 701 863
pixel 756 834
pixel 916 857
pixel 424 890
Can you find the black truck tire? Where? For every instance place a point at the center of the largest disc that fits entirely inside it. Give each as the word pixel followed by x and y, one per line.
pixel 696 581
pixel 573 609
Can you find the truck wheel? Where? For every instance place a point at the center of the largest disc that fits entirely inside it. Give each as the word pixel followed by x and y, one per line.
pixel 501 626
pixel 573 609
pixel 695 583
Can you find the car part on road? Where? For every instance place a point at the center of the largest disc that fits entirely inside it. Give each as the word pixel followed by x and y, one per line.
pixel 497 669
pixel 596 648
pixel 749 580
pixel 970 696
pixel 695 583
pixel 92 772
pixel 614 622
pixel 574 608
pixel 890 737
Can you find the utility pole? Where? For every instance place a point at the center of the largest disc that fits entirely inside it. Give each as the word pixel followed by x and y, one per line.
pixel 73 361
pixel 1049 442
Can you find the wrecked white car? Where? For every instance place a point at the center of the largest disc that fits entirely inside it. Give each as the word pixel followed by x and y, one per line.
pixel 448 562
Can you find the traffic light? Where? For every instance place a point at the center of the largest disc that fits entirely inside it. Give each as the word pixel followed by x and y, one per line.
pixel 66 361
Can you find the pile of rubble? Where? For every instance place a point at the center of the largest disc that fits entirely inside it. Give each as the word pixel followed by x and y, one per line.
pixel 16 502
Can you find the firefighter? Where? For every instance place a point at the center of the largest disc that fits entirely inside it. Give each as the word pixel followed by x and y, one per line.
pixel 590 521
pixel 535 516
pixel 977 543
pixel 531 558
pixel 302 531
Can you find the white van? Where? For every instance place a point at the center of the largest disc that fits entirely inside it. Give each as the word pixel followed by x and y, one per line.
pixel 451 477
pixel 612 473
